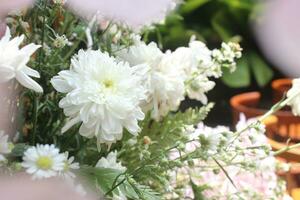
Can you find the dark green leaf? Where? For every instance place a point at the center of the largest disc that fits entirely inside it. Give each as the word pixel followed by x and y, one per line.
pixel 222 26
pixel 262 72
pixel 192 5
pixel 240 77
pixel 198 191
pixel 19 149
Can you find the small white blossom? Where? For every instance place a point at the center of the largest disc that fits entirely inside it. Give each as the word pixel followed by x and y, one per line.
pixel 69 166
pixel 60 2
pixel 60 41
pixel 4 146
pixel 294 95
pixel 111 162
pixel 102 94
pixel 227 54
pixel 13 61
pixel 43 161
pixel 209 138
pixel 197 87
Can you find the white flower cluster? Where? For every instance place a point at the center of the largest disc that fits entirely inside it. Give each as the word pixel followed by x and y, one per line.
pixel 13 61
pixel 252 168
pixel 45 161
pixel 174 74
pixel 164 81
pixel 107 94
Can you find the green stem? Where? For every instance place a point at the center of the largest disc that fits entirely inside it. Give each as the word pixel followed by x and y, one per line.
pixel 35 115
pixel 287 148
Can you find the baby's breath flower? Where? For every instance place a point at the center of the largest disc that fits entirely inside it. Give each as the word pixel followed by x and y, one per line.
pixel 4 146
pixel 61 41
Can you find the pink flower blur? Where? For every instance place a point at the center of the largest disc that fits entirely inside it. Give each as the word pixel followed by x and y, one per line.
pixel 278 32
pixel 134 13
pixel 7 6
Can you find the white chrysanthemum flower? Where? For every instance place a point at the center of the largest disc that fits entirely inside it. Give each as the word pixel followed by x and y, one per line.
pixel 4 145
pixel 103 94
pixel 294 95
pixel 69 166
pixel 165 81
pixel 111 162
pixel 13 61
pixel 43 161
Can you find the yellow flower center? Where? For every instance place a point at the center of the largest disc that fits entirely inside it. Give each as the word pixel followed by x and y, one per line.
pixel 66 166
pixel 108 83
pixel 44 162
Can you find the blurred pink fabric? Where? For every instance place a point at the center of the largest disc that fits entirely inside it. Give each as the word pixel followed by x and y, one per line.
pixel 278 31
pixel 134 13
pixel 7 6
pixel 22 187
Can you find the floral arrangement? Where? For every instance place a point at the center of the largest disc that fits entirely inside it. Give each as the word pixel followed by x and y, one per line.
pixel 98 107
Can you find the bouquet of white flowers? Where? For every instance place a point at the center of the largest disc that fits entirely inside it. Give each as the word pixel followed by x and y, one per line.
pixel 97 104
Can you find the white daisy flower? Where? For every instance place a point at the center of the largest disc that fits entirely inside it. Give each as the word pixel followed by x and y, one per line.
pixel 294 95
pixel 13 61
pixel 165 81
pixel 43 161
pixel 103 94
pixel 69 166
pixel 110 162
pixel 4 146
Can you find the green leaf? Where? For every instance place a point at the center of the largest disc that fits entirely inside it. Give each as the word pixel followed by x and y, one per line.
pixel 192 5
pixel 240 77
pixel 262 72
pixel 198 191
pixel 104 179
pixel 222 26
pixel 19 149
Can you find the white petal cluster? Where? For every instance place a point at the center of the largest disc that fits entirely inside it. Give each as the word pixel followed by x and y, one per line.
pixel 4 146
pixel 164 81
pixel 102 94
pixel 13 61
pixel 45 161
pixel 111 162
pixel 294 95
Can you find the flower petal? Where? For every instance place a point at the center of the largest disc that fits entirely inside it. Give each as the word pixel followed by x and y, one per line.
pixel 27 82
